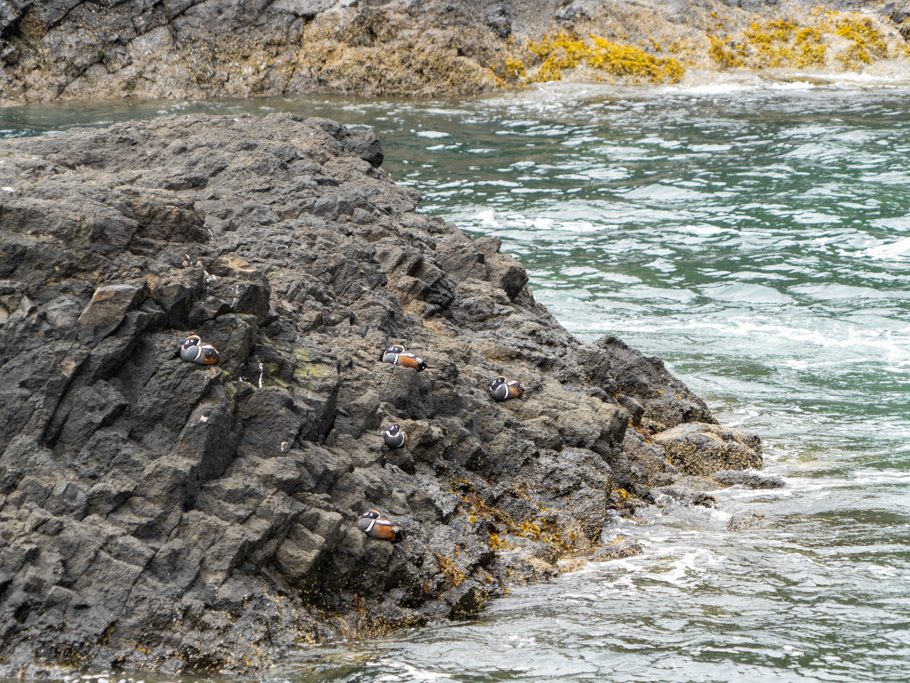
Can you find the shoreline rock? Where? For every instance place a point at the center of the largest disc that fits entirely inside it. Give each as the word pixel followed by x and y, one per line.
pixel 80 50
pixel 163 516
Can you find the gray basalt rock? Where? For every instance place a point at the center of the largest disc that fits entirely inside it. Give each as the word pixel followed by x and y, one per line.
pixel 749 480
pixel 702 449
pixel 177 517
pixel 655 398
pixel 744 520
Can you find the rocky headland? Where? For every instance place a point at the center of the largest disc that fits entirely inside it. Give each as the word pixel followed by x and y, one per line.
pixel 163 516
pixel 91 49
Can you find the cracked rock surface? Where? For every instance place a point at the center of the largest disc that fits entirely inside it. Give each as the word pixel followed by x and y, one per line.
pixel 164 516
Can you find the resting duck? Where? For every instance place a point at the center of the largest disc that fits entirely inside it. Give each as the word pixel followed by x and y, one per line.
pixel 396 355
pixel 501 390
pixel 373 526
pixel 194 351
pixel 394 437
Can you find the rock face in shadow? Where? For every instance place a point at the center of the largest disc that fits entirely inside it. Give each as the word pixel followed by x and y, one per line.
pixel 161 515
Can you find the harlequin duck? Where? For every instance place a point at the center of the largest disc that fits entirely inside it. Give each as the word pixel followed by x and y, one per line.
pixel 382 529
pixel 194 351
pixel 396 355
pixel 394 437
pixel 501 390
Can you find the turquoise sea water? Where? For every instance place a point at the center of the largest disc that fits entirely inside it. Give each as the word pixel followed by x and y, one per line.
pixel 756 237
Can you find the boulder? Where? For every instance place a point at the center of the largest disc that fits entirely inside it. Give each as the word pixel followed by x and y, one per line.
pixel 701 449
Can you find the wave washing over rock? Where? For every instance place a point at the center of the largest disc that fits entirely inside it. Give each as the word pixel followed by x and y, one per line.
pixel 161 515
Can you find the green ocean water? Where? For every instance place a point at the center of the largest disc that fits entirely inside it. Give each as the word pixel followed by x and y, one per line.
pixel 756 236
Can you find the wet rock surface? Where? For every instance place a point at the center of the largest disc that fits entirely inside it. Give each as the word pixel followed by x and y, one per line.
pixel 748 480
pixel 161 515
pixel 701 449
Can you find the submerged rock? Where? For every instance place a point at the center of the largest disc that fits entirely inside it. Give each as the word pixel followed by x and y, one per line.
pixel 161 515
pixel 744 520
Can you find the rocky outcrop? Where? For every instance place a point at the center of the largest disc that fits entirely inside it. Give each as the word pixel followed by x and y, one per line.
pixel 161 515
pixel 702 449
pixel 92 49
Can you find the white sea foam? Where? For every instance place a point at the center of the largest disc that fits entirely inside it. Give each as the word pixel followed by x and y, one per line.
pixel 406 673
pixel 703 230
pixel 710 148
pixel 885 476
pixel 820 151
pixel 814 218
pixel 711 84
pixel 602 173
pixel 704 83
pixel 680 565
pixel 663 193
pixel 710 89
pixel 793 85
pixel 752 293
pixel 887 178
pixel 898 223
pixel 829 292
pixel 699 83
pixel 889 250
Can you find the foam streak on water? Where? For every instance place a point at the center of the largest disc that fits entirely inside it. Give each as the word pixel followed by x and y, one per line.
pixel 758 239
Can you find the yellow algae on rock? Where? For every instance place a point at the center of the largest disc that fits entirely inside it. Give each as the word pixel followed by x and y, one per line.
pixel 515 68
pixel 810 47
pixel 559 53
pixel 783 43
pixel 726 54
pixel 631 61
pixel 867 42
pixel 828 39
